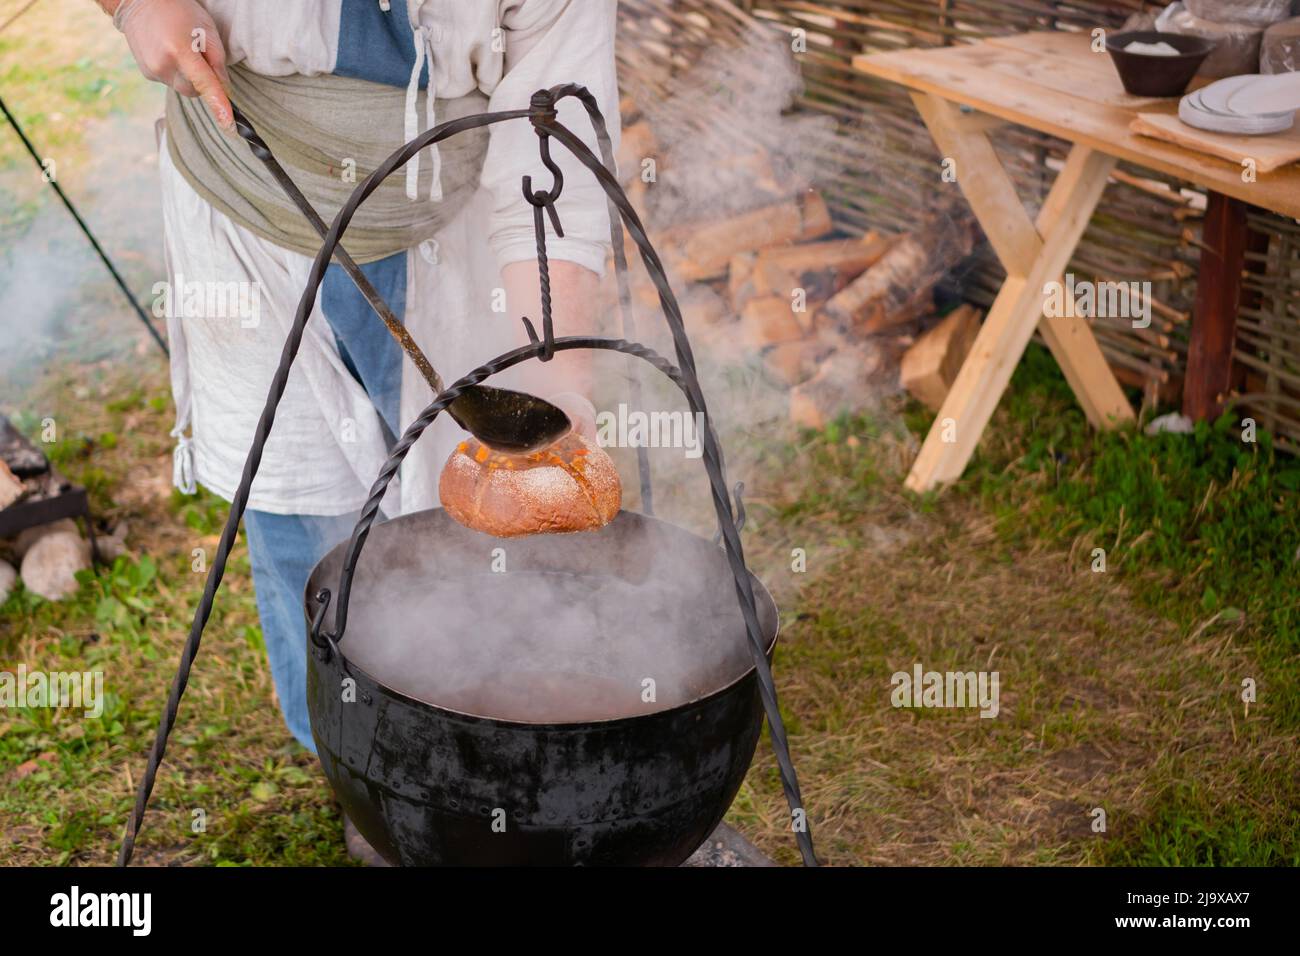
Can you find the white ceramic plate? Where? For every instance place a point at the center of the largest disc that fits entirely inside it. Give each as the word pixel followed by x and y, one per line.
pixel 1279 93
pixel 1198 103
pixel 1215 96
pixel 1195 115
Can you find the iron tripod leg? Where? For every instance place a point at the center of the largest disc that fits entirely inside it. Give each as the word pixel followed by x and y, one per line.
pixel 541 113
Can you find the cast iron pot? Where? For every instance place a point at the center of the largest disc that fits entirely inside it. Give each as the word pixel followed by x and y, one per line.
pixel 431 785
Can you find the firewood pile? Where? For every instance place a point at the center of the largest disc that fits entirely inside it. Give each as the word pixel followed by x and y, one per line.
pixel 36 546
pixel 829 318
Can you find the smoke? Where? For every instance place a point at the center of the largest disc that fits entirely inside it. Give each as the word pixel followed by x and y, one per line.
pixel 57 301
pixel 724 141
pixel 634 618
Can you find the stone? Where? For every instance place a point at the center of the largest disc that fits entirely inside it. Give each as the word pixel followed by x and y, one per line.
pixel 7 578
pixel 50 565
pixel 29 536
pixel 1174 423
pixel 11 488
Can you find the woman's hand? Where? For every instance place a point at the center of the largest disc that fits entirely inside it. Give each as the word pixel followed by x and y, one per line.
pixel 582 414
pixel 175 42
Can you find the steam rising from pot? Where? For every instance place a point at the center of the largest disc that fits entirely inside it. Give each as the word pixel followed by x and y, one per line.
pixel 632 619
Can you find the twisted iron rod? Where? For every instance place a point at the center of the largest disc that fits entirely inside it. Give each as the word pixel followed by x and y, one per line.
pixel 240 501
pixel 684 375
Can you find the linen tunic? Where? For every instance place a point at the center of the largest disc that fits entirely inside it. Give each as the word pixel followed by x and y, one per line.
pixel 327 444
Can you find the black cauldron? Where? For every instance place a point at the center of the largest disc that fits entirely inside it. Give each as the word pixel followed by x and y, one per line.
pixel 583 699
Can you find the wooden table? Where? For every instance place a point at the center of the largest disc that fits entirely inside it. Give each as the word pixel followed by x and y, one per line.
pixel 1054 83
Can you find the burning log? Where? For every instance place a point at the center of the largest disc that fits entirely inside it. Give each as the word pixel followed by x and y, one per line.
pixel 7 578
pixel 898 287
pixel 637 192
pixel 817 264
pixel 819 268
pixel 703 309
pixel 740 278
pixel 843 383
pixel 771 319
pixel 755 170
pixel 11 488
pixel 38 501
pixel 637 144
pixel 929 367
pixel 705 250
pixel 793 363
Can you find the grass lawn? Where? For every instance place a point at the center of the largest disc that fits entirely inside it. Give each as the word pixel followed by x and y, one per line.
pixel 63 67
pixel 1119 690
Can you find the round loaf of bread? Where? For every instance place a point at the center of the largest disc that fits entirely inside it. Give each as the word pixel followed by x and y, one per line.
pixel 571 485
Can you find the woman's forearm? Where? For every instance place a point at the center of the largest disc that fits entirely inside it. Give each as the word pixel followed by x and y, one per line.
pixel 573 312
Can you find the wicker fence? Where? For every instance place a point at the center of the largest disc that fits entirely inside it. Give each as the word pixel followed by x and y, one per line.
pixel 1146 229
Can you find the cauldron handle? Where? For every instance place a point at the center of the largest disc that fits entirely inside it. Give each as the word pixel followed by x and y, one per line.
pixel 737 493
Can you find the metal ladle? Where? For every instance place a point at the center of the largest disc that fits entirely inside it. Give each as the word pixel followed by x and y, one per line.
pixel 505 419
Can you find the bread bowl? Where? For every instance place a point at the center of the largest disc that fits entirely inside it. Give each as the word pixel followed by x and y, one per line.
pixel 571 485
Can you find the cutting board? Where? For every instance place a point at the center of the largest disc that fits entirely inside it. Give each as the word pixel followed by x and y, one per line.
pixel 1269 152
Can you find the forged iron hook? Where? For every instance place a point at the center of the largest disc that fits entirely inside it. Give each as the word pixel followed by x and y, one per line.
pixel 546 197
pixel 542 114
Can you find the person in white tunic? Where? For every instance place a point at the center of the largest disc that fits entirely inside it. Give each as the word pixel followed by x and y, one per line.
pixel 335 86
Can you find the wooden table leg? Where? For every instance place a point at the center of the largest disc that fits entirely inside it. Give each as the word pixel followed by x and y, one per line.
pixel 1218 296
pixel 1033 254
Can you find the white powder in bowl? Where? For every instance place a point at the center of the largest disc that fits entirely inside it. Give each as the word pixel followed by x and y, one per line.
pixel 1152 49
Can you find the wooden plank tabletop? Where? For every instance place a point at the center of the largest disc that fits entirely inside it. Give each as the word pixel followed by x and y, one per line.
pixel 1054 83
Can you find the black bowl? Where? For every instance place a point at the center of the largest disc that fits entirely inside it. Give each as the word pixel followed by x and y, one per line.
pixel 1146 75
pixel 429 782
